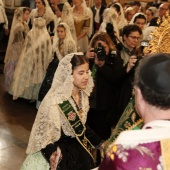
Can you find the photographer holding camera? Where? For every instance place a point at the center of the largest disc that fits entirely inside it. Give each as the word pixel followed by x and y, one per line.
pixel 107 71
pixel 128 50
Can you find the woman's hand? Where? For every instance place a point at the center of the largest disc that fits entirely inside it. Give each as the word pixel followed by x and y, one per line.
pixel 101 150
pixel 90 53
pixel 53 161
pixel 131 63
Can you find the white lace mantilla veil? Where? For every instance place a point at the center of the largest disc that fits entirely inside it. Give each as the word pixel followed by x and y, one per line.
pixel 47 126
pixel 109 16
pixel 67 17
pixel 33 61
pixel 154 11
pixel 89 14
pixel 69 43
pixel 133 18
pixel 17 25
pixel 123 22
pixel 48 16
pixel 86 15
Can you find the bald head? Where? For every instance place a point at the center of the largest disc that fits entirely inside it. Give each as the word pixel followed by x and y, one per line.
pixel 163 8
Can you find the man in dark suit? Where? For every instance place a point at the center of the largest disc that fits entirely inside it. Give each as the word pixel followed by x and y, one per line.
pixel 97 10
pixel 154 3
pixel 162 11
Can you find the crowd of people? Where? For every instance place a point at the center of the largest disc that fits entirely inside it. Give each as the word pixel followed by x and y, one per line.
pixel 83 64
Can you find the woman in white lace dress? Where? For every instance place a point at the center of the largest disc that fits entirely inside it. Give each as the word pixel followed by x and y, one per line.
pixel 63 44
pixel 43 10
pixel 60 121
pixel 139 19
pixel 18 33
pixel 33 62
pixel 67 17
pixel 121 17
pixel 82 16
pixel 110 16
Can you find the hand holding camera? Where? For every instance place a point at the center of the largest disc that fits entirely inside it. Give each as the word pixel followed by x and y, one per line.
pixel 100 52
pixel 100 55
pixel 132 61
pixel 90 54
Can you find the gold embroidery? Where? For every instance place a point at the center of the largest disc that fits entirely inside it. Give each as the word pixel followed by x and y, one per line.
pixel 160 38
pixel 165 148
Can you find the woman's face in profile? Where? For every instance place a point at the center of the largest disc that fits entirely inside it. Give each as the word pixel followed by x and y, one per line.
pixel 81 76
pixel 26 15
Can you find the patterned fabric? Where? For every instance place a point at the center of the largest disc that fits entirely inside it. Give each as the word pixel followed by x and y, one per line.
pixel 67 17
pixel 19 30
pixel 128 121
pixel 121 18
pixel 110 16
pixel 82 24
pixel 140 149
pixel 124 158
pixel 48 16
pixel 33 62
pixel 74 157
pixel 49 120
pixel 69 45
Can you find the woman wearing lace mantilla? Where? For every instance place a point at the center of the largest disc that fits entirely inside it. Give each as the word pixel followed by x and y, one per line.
pixel 60 121
pixel 43 10
pixel 63 44
pixel 33 62
pixel 18 33
pixel 110 16
pixel 83 23
pixel 121 21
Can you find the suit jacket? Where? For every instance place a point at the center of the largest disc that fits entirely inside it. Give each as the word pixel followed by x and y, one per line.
pixel 103 7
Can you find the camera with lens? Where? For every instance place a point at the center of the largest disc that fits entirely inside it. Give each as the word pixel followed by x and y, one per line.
pixel 100 52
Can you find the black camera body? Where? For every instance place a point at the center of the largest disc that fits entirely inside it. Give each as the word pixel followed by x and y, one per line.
pixel 100 52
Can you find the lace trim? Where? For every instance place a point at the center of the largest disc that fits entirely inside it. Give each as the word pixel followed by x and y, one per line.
pixel 49 120
pixel 69 43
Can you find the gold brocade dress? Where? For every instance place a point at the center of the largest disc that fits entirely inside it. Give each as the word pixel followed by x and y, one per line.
pixel 82 24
